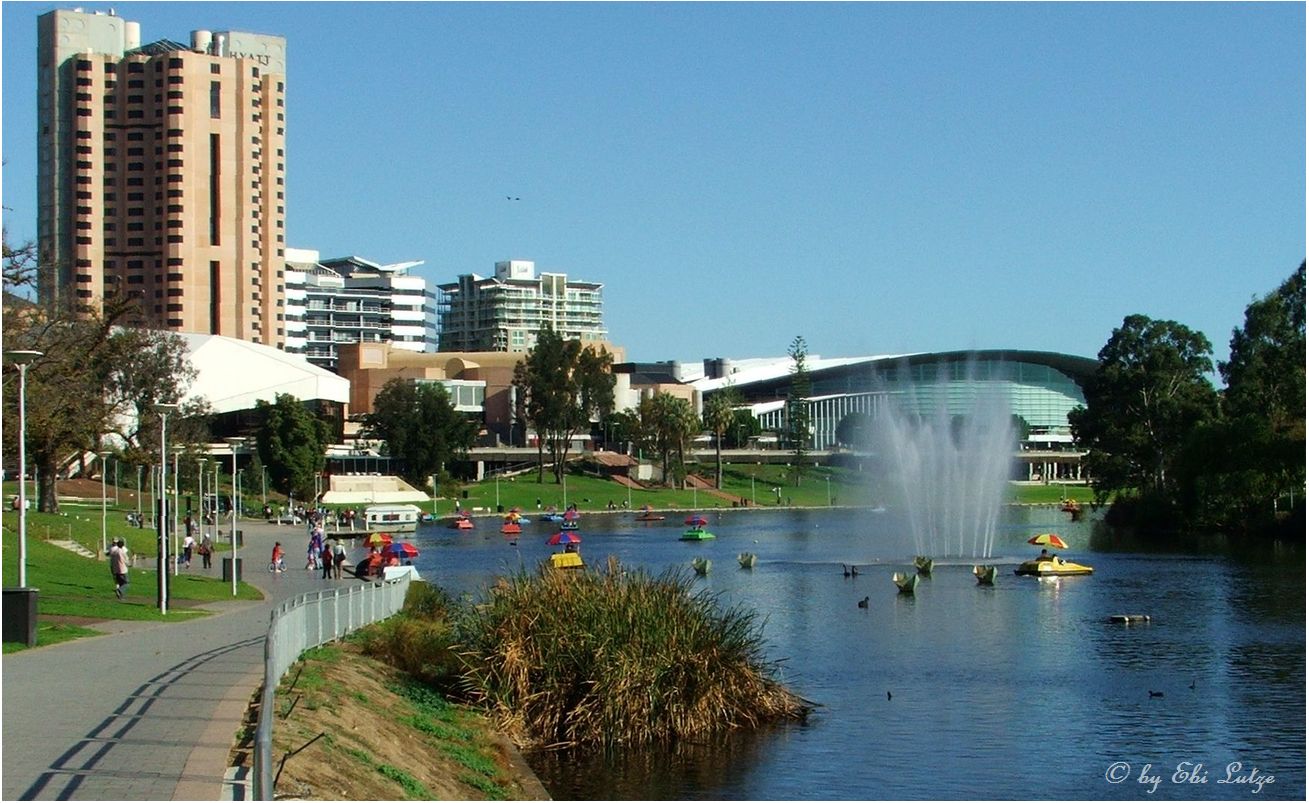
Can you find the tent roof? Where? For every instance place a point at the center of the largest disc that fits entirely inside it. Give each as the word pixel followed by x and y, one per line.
pixel 235 374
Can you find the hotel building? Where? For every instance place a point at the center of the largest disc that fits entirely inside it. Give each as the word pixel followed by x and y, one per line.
pixel 161 174
pixel 504 312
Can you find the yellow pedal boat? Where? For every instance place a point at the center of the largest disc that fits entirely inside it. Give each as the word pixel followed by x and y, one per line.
pixel 1052 567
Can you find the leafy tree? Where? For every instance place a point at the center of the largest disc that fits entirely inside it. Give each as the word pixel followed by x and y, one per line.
pixel 719 413
pixel 854 430
pixel 563 386
pixel 292 443
pixel 420 426
pixel 743 427
pixel 1147 396
pixel 19 264
pixel 623 427
pixel 668 424
pixel 797 407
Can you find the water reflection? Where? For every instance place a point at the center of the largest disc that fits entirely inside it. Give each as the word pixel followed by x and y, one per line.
pixel 978 675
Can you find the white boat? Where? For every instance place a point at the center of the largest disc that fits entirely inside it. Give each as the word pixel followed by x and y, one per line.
pixel 392 518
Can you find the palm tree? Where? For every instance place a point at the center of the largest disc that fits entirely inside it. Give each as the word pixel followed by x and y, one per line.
pixel 719 412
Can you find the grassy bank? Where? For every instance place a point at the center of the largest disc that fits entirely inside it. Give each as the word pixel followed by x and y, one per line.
pixel 354 728
pixel 750 484
pixel 75 590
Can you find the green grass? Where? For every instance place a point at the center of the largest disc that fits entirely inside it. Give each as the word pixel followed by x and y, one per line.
pixel 414 789
pixel 748 482
pixel 49 633
pixel 72 585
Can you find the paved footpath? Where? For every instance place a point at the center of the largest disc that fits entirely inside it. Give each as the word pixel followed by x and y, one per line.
pixel 148 711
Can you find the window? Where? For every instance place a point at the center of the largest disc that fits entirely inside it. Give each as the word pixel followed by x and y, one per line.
pixel 135 67
pixel 215 99
pixel 215 68
pixel 174 64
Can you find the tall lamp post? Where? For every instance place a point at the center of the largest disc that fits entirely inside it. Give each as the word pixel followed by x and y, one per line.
pixel 163 408
pixel 104 505
pixel 234 443
pixel 22 358
pixel 177 454
pixel 200 494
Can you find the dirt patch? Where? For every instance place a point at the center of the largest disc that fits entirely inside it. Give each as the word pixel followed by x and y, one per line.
pixel 352 728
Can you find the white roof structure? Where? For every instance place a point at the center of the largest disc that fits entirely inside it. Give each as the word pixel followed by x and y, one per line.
pixel 236 374
pixel 760 369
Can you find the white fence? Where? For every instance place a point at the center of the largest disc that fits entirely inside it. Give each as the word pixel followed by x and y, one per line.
pixel 308 621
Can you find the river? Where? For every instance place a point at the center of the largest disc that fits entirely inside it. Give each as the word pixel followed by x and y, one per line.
pixel 1022 690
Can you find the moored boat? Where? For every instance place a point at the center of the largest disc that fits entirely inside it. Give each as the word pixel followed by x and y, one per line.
pixel 905 581
pixel 924 565
pixel 511 528
pixel 747 560
pixel 392 518
pixel 985 575
pixel 701 565
pixel 566 560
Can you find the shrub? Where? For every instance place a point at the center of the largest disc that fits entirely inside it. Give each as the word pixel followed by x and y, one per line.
pixel 616 657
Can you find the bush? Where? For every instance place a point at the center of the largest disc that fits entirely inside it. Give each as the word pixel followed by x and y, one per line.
pixel 616 657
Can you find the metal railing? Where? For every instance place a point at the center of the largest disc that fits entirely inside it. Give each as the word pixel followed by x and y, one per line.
pixel 301 623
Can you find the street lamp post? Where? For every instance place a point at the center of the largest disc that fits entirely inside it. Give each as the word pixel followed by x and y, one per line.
pixel 22 358
pixel 264 497
pixel 163 408
pixel 104 506
pixel 177 454
pixel 234 443
pixel 200 494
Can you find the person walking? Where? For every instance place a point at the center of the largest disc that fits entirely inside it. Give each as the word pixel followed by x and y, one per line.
pixel 188 546
pixel 326 558
pixel 207 551
pixel 338 558
pixel 277 563
pixel 118 567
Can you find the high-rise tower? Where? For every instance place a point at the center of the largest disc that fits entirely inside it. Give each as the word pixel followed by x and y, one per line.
pixel 161 173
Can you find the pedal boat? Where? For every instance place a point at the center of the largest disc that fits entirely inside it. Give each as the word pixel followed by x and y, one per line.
pixel 1051 567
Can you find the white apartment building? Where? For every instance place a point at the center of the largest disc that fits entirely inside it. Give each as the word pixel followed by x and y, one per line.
pixel 504 312
pixel 354 300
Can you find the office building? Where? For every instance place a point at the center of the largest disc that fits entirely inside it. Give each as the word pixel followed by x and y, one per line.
pixel 504 312
pixel 161 174
pixel 353 300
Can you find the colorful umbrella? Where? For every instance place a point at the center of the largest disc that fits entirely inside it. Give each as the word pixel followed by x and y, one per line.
pixel 1048 539
pixel 564 538
pixel 377 539
pixel 697 520
pixel 570 515
pixel 403 549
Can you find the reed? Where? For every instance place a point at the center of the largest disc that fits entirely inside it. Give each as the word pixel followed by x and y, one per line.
pixel 616 656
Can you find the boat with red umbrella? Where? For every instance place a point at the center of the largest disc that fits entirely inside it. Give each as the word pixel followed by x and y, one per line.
pixel 1050 565
pixel 570 558
pixel 462 523
pixel 572 519
pixel 696 531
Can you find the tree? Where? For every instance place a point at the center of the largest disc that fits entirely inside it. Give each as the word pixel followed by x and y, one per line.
pixel 562 387
pixel 624 427
pixel 719 413
pixel 292 443
pixel 854 430
pixel 1261 439
pixel 145 367
pixel 668 423
pixel 420 426
pixel 1143 402
pixel 743 427
pixel 797 407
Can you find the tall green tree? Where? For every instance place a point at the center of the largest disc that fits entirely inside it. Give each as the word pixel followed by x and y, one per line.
pixel 798 425
pixel 668 425
pixel 420 426
pixel 292 443
pixel 719 413
pixel 743 427
pixel 1147 396
pixel 562 387
pixel 1253 460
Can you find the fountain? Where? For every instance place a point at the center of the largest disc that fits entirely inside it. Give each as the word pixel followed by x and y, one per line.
pixel 944 472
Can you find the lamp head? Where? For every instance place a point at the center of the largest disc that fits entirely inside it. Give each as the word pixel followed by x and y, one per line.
pixel 163 408
pixel 23 356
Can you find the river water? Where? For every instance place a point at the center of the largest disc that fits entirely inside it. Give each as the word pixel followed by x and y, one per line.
pixel 1023 690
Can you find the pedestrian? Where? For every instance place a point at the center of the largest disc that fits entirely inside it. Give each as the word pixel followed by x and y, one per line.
pixel 338 558
pixel 118 567
pixel 188 545
pixel 315 549
pixel 207 550
pixel 277 564
pixel 326 558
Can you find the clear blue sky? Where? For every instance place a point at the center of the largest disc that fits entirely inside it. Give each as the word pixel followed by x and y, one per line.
pixel 879 178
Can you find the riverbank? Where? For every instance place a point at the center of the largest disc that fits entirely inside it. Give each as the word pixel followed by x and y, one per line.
pixel 356 728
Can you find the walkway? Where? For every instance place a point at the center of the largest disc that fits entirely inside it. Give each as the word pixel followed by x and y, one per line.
pixel 149 711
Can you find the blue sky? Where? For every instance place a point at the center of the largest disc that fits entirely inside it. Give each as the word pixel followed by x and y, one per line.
pixel 879 178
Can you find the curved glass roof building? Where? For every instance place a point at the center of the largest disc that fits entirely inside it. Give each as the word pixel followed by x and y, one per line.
pixel 1040 387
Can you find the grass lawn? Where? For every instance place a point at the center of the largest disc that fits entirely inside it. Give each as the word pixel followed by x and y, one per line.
pixel 73 585
pixel 750 482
